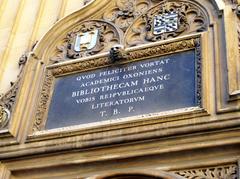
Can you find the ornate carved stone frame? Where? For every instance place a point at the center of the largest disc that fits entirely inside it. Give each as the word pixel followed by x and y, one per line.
pixel 102 60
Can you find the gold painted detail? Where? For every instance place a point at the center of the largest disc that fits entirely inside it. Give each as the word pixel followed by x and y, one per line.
pixel 80 66
pixel 143 53
pixel 164 48
pixel 125 12
pixel 8 99
pixel 221 172
pixel 107 36
pixel 191 19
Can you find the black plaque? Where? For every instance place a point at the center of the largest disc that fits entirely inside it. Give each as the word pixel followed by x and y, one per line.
pixel 142 87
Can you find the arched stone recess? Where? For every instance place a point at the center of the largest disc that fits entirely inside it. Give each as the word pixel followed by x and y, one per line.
pixel 55 43
pixel 190 18
pixel 121 18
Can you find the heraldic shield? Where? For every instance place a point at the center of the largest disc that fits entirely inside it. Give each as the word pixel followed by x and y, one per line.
pixel 86 41
pixel 167 22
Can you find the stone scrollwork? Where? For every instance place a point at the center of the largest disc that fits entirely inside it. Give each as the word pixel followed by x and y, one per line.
pixel 125 12
pixel 8 99
pixel 4 117
pixel 190 19
pixel 89 38
pixel 132 19
pixel 167 48
pixel 224 172
pixel 199 70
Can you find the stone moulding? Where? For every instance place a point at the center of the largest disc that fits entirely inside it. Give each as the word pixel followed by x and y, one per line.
pixel 44 100
pixel 71 67
pixel 224 172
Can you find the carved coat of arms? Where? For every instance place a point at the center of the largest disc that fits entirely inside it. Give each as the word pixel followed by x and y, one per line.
pixel 86 41
pixel 167 22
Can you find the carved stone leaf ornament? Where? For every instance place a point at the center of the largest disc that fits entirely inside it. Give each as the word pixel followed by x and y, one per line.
pixel 44 99
pixel 140 22
pixel 125 12
pixel 222 172
pixel 166 20
pixel 4 117
pixel 7 100
pixel 87 39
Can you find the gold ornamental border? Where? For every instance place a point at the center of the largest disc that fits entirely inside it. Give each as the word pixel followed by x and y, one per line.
pixel 100 61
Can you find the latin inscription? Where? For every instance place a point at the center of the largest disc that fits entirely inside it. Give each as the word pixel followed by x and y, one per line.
pixel 137 88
